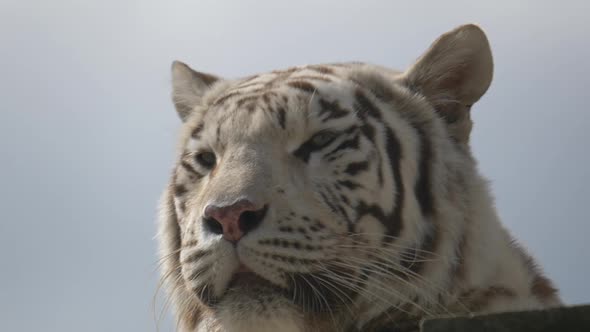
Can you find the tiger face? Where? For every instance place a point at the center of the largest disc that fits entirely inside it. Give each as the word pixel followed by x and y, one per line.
pixel 280 177
pixel 318 193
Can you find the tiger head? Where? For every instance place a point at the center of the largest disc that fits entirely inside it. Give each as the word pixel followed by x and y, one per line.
pixel 311 193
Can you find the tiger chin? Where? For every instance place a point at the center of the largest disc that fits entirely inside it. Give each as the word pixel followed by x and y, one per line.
pixel 338 197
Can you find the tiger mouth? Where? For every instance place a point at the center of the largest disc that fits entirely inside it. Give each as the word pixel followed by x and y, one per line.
pixel 305 290
pixel 246 278
pixel 250 284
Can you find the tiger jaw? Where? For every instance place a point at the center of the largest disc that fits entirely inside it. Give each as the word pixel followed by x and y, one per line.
pixel 210 274
pixel 309 292
pixel 238 273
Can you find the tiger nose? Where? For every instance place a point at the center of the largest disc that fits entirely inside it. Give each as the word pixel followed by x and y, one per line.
pixel 233 221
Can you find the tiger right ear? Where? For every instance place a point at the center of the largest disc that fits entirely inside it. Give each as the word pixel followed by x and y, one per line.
pixel 453 74
pixel 188 88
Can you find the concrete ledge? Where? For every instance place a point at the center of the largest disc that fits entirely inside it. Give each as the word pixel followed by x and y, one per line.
pixel 565 319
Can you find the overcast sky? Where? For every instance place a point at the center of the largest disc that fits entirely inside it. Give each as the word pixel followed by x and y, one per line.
pixel 87 130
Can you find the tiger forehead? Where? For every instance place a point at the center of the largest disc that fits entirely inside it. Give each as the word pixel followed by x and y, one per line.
pixel 276 97
pixel 302 78
pixel 291 103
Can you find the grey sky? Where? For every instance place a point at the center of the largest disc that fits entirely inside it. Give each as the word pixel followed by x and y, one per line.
pixel 87 131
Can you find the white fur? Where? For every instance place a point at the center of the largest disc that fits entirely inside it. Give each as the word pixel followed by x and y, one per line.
pixel 474 267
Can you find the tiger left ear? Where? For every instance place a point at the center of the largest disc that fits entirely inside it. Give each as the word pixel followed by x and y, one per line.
pixel 188 88
pixel 453 74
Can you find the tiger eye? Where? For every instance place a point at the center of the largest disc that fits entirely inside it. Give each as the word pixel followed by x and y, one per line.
pixel 206 159
pixel 323 138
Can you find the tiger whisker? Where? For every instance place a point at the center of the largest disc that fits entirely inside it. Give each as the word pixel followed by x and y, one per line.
pixel 388 274
pixel 386 249
pixel 344 302
pixel 168 298
pixel 351 283
pixel 351 241
pixel 387 267
pixel 385 274
pixel 393 255
pixel 162 260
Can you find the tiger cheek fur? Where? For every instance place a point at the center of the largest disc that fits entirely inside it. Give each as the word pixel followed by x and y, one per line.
pixel 337 197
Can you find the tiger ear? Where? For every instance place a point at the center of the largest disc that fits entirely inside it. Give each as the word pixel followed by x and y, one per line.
pixel 453 74
pixel 188 88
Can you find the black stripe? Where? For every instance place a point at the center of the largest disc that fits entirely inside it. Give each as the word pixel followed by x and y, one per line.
pixel 243 87
pixel 361 107
pixel 281 114
pixel 394 153
pixel 392 222
pixel 304 151
pixel 218 132
pixel 339 207
pixel 357 167
pixel 345 200
pixel 328 203
pixel 321 69
pixel 285 72
pixel 369 132
pixel 250 99
pixel 426 201
pixel 336 208
pixel 331 110
pixel 196 133
pixel 251 107
pixel 423 183
pixel 195 256
pixel 225 97
pixel 364 209
pixel 189 168
pixel 422 187
pixel 302 85
pixel 351 129
pixel 380 173
pixel 179 190
pixel 173 221
pixel 365 107
pixel 182 206
pixel 349 184
pixel 333 158
pixel 312 77
pixel 349 144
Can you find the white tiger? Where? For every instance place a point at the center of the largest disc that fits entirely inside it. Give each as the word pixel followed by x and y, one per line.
pixel 340 197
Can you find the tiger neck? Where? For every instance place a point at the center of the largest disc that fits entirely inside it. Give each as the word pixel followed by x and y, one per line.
pixel 474 266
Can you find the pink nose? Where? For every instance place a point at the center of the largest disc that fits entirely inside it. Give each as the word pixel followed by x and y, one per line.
pixel 233 221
